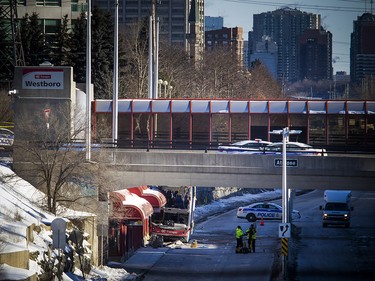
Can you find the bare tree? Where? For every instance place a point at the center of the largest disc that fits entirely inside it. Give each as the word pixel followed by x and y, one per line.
pixel 134 61
pixel 45 151
pixel 261 84
pixel 219 75
pixel 364 90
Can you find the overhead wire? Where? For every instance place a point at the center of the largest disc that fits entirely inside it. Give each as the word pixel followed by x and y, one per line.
pixel 336 8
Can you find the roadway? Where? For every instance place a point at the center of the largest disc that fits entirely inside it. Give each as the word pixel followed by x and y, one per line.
pixel 315 253
pixel 334 253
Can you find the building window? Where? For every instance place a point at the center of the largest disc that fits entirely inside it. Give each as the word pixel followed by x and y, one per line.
pixel 78 7
pixel 54 3
pixel 51 27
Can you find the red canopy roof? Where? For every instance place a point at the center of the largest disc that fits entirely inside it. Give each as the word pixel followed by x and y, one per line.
pixel 156 198
pixel 127 205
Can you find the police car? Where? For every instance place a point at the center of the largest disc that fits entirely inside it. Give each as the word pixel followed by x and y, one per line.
pixel 265 210
pixel 6 139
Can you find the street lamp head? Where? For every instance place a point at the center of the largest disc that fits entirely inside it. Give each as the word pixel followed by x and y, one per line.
pixel 165 83
pixel 285 132
pixel 276 132
pixel 160 81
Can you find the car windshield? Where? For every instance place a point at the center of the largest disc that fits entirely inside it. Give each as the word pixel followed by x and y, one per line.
pixel 336 207
pixel 6 133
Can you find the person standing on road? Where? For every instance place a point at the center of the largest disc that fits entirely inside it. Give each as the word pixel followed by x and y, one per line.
pixel 239 234
pixel 252 235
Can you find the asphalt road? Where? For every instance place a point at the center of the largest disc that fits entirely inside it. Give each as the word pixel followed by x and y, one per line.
pixel 214 258
pixel 334 253
pixel 314 252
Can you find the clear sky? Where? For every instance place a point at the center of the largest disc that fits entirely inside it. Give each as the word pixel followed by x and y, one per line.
pixel 337 17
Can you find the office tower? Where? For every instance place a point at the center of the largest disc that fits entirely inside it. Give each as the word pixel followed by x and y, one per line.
pixel 362 48
pixel 212 23
pixel 284 26
pixel 266 52
pixel 315 55
pixel 181 21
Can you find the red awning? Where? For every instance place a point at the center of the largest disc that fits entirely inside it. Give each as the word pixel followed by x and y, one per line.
pixel 156 198
pixel 127 205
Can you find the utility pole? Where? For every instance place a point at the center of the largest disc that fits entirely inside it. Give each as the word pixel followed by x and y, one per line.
pixel 154 54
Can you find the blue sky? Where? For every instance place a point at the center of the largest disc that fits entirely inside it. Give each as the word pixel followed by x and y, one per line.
pixel 337 17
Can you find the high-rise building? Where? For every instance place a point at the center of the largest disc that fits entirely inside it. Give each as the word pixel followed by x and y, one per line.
pixel 315 55
pixel 266 52
pixel 212 23
pixel 226 37
pixel 362 48
pixel 196 30
pixel 245 58
pixel 181 21
pixel 284 26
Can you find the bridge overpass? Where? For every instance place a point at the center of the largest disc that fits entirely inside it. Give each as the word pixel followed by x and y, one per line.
pixel 210 168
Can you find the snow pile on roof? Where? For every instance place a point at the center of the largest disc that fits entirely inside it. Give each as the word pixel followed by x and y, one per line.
pixel 18 211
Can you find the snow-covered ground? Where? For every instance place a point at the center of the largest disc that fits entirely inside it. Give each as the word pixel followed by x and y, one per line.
pixel 18 210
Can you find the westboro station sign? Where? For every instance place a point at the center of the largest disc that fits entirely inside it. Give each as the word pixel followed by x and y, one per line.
pixel 43 79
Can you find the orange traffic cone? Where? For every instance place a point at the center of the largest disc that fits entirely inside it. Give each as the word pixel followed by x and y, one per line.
pixel 261 222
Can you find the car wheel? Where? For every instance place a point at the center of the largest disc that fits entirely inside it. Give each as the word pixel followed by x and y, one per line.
pixel 251 217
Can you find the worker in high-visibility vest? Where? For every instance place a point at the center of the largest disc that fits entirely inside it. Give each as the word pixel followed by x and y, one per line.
pixel 252 237
pixel 239 234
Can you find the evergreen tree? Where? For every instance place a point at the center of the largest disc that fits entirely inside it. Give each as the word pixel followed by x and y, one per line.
pixel 78 48
pixel 61 47
pixel 102 54
pixel 33 40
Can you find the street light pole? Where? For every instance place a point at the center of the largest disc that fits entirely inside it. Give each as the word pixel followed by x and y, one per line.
pixel 285 198
pixel 115 82
pixel 88 83
pixel 283 179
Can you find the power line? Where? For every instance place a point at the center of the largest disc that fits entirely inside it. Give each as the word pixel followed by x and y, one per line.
pixel 305 6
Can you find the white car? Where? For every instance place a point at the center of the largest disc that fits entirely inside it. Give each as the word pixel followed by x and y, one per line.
pixel 265 210
pixel 253 146
pixel 295 148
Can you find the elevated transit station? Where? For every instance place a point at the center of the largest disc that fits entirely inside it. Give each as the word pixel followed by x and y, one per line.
pixel 197 123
